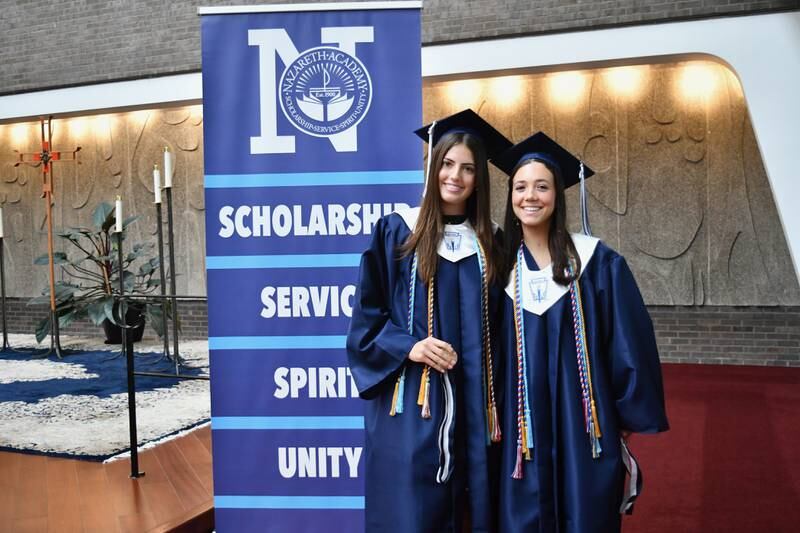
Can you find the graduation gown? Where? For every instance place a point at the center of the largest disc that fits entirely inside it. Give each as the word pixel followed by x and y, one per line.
pixel 402 452
pixel 563 488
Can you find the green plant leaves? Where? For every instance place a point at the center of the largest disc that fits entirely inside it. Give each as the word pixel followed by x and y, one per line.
pixel 58 258
pixel 155 317
pixel 43 328
pixel 91 278
pixel 97 310
pixel 103 216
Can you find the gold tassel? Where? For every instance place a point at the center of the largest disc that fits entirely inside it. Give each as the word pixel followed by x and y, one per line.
pixel 596 422
pixel 422 380
pixel 392 412
pixel 426 406
pixel 526 451
pixel 496 434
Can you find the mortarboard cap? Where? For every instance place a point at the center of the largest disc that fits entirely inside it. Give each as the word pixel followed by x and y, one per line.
pixel 541 147
pixel 466 121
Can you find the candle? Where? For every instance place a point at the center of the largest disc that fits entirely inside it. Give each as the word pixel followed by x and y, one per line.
pixel 167 168
pixel 118 215
pixel 157 184
pixel 1 223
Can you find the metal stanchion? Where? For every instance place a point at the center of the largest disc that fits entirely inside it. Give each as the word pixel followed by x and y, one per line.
pixel 127 346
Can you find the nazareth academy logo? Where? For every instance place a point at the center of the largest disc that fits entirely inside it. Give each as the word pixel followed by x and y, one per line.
pixel 325 91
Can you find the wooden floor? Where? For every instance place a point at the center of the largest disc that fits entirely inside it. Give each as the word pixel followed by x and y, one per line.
pixel 47 494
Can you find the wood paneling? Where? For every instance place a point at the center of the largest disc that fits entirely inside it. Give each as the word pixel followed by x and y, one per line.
pixel 48 494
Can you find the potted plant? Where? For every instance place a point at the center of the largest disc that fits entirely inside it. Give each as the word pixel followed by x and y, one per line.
pixel 91 280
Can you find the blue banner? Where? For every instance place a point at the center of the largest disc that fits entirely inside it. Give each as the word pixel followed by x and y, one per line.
pixel 308 120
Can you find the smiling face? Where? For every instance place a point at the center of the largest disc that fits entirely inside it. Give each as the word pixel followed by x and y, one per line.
pixel 533 195
pixel 456 179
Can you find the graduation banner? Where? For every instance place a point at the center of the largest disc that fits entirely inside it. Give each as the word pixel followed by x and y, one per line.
pixel 308 117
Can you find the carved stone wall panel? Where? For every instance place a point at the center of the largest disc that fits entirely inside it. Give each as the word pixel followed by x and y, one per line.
pixel 193 264
pixel 606 147
pixel 667 196
pixel 680 189
pixel 116 158
pixel 731 238
pixel 766 222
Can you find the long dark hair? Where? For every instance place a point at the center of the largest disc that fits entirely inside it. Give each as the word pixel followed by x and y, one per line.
pixel 430 225
pixel 562 249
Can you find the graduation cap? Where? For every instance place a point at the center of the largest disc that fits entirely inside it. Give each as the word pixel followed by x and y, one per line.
pixel 540 147
pixel 466 121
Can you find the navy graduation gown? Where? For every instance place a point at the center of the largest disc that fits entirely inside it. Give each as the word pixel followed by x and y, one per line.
pixel 563 488
pixel 402 451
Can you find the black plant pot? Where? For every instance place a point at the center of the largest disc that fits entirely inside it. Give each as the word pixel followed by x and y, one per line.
pixel 133 317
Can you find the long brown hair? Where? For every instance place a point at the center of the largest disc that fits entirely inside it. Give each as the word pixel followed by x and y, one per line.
pixel 559 242
pixel 430 225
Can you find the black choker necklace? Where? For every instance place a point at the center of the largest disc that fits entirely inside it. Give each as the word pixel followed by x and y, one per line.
pixel 454 219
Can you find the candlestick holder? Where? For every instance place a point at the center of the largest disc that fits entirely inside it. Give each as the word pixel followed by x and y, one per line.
pixel 163 284
pixel 172 288
pixel 127 348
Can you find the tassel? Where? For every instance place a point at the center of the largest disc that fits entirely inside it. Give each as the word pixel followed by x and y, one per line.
pixel 401 390
pixel 528 430
pixel 393 410
pixel 526 440
pixel 496 435
pixel 518 468
pixel 594 441
pixel 426 405
pixel 423 398
pixel 421 394
pixel 596 422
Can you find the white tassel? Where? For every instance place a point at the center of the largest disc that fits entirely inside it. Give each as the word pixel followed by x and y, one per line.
pixel 587 230
pixel 430 155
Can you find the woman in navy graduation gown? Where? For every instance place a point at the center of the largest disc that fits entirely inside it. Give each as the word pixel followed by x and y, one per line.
pixel 420 346
pixel 582 368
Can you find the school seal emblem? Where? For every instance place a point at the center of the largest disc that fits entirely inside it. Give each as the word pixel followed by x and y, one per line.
pixel 325 91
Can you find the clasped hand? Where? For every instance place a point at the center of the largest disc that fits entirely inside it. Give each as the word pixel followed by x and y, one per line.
pixel 435 353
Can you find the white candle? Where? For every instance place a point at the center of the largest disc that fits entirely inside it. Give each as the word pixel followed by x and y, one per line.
pixel 157 184
pixel 167 168
pixel 2 234
pixel 118 215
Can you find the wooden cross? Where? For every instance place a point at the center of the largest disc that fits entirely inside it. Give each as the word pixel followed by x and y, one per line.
pixel 45 158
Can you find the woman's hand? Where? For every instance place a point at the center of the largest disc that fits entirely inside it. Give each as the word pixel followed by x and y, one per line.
pixel 435 353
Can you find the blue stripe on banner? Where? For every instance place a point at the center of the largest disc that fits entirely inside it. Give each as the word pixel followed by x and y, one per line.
pixel 287 422
pixel 289 502
pixel 277 342
pixel 237 181
pixel 221 262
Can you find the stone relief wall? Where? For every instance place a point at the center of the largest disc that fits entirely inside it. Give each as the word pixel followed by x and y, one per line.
pixel 681 190
pixel 116 158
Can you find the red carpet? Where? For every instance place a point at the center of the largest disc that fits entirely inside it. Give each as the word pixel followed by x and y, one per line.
pixel 731 460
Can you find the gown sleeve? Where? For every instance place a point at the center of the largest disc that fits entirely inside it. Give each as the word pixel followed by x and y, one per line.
pixel 632 353
pixel 376 345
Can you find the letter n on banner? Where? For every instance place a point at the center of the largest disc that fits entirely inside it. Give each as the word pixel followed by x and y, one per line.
pixel 308 116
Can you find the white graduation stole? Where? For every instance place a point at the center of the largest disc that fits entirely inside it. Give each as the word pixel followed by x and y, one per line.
pixel 539 291
pixel 458 241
